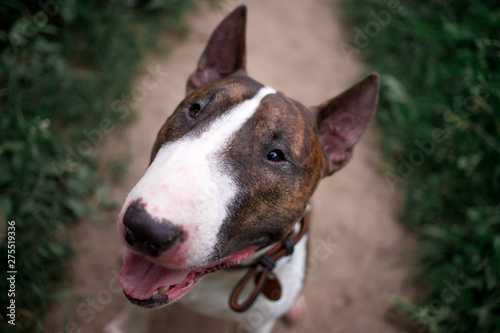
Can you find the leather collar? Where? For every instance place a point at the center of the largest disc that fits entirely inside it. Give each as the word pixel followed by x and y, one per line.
pixel 261 269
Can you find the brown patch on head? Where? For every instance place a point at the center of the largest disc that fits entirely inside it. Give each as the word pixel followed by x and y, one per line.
pixel 210 102
pixel 273 194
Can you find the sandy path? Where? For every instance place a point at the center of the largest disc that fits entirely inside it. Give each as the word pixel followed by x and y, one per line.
pixel 358 246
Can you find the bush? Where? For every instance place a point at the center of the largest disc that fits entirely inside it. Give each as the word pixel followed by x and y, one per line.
pixel 63 67
pixel 439 115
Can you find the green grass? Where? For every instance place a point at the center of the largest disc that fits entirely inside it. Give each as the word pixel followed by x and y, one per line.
pixel 65 75
pixel 439 115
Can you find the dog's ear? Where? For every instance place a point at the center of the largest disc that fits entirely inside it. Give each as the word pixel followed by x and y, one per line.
pixel 224 53
pixel 343 119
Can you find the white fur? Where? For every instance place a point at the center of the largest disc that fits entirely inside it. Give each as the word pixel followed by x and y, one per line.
pixel 189 185
pixel 211 297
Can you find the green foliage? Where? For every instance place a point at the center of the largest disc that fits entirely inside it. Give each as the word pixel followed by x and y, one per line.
pixel 440 118
pixel 64 65
pixel 118 166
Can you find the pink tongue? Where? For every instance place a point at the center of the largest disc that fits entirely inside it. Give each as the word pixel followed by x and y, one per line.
pixel 139 277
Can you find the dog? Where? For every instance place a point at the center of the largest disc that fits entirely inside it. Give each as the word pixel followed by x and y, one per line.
pixel 219 219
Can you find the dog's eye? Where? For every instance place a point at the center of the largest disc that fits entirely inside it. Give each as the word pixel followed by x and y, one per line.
pixel 194 110
pixel 275 156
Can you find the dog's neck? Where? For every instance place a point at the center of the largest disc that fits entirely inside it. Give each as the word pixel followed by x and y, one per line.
pixel 261 252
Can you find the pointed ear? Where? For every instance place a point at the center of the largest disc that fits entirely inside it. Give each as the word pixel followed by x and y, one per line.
pixel 343 119
pixel 224 53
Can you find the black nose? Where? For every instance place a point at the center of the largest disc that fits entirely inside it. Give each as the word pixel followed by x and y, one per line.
pixel 149 235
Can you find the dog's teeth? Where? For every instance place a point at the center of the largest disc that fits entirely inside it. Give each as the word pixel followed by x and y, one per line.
pixel 162 289
pixel 156 292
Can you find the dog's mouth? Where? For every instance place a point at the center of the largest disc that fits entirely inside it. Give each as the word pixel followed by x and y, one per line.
pixel 149 285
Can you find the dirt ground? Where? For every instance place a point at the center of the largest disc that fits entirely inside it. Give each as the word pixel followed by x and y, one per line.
pixel 360 253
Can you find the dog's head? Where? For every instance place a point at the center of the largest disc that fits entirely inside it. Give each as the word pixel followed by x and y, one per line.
pixel 231 170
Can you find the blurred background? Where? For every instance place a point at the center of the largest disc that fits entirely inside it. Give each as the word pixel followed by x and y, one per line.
pixel 405 239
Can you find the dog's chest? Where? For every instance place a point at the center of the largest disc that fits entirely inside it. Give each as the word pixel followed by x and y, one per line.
pixel 211 296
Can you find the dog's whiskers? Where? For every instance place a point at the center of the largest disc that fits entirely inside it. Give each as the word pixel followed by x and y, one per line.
pixel 220 252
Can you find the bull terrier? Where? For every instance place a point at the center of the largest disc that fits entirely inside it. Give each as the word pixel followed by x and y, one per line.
pixel 218 217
